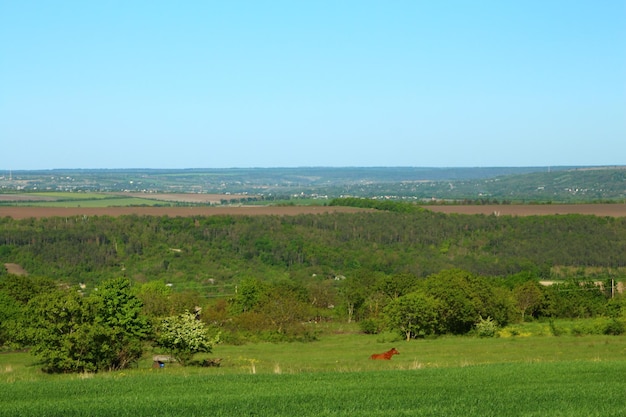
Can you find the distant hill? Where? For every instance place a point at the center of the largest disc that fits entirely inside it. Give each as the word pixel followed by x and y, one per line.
pixel 525 184
pixel 586 184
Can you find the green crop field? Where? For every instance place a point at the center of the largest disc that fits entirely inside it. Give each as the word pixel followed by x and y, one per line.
pixel 546 389
pixel 59 195
pixel 448 376
pixel 98 202
pixel 68 199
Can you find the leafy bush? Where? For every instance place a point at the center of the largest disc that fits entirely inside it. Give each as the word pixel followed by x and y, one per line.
pixel 615 327
pixel 486 327
pixel 183 336
pixel 598 326
pixel 369 326
pixel 554 329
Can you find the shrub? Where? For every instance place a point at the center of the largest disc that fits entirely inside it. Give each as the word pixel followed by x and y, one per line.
pixel 183 336
pixel 486 327
pixel 615 327
pixel 556 331
pixel 370 326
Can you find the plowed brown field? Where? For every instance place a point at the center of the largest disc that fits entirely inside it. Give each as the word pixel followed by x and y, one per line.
pixel 38 212
pixel 611 210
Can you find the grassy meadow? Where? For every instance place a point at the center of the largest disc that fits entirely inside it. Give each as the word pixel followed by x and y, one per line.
pixel 448 376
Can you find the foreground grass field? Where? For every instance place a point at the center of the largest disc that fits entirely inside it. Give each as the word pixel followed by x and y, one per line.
pixel 545 389
pixel 455 376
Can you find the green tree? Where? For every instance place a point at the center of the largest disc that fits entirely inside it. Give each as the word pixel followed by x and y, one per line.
pixel 247 295
pixel 464 298
pixel 394 286
pixel 74 333
pixel 528 298
pixel 61 332
pixel 23 288
pixel 10 311
pixel 183 336
pixel 119 314
pixel 155 296
pixel 574 299
pixel 354 290
pixel 413 315
pixel 284 310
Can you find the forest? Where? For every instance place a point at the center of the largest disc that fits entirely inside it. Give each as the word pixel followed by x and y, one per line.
pixel 397 267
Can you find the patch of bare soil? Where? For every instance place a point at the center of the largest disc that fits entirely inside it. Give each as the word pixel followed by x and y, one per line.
pixel 15 269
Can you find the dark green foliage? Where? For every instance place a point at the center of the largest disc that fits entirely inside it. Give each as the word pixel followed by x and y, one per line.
pixel 23 288
pixel 370 326
pixel 75 333
pixel 247 296
pixel 464 298
pixel 62 333
pixel 155 298
pixel 574 299
pixel 419 243
pixel 272 312
pixel 414 315
pixel 386 205
pixel 615 327
pixel 10 312
pixel 120 313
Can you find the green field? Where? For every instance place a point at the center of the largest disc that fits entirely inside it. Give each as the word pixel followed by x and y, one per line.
pixel 99 202
pixel 449 376
pixel 547 389
pixel 68 199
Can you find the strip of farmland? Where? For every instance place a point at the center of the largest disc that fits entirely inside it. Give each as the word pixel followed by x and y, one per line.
pixel 40 212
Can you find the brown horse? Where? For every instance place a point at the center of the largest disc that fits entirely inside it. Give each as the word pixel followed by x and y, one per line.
pixel 385 356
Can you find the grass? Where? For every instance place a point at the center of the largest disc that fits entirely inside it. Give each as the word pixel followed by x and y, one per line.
pixel 448 376
pixel 350 353
pixel 548 389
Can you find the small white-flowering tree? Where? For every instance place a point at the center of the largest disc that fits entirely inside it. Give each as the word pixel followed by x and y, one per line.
pixel 183 336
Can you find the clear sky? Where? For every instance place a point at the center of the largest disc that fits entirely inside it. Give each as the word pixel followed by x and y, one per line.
pixel 218 84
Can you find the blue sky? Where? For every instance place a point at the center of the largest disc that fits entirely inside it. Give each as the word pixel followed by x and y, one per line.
pixel 217 84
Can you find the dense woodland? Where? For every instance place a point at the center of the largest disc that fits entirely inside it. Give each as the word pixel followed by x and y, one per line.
pixel 223 249
pixel 397 267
